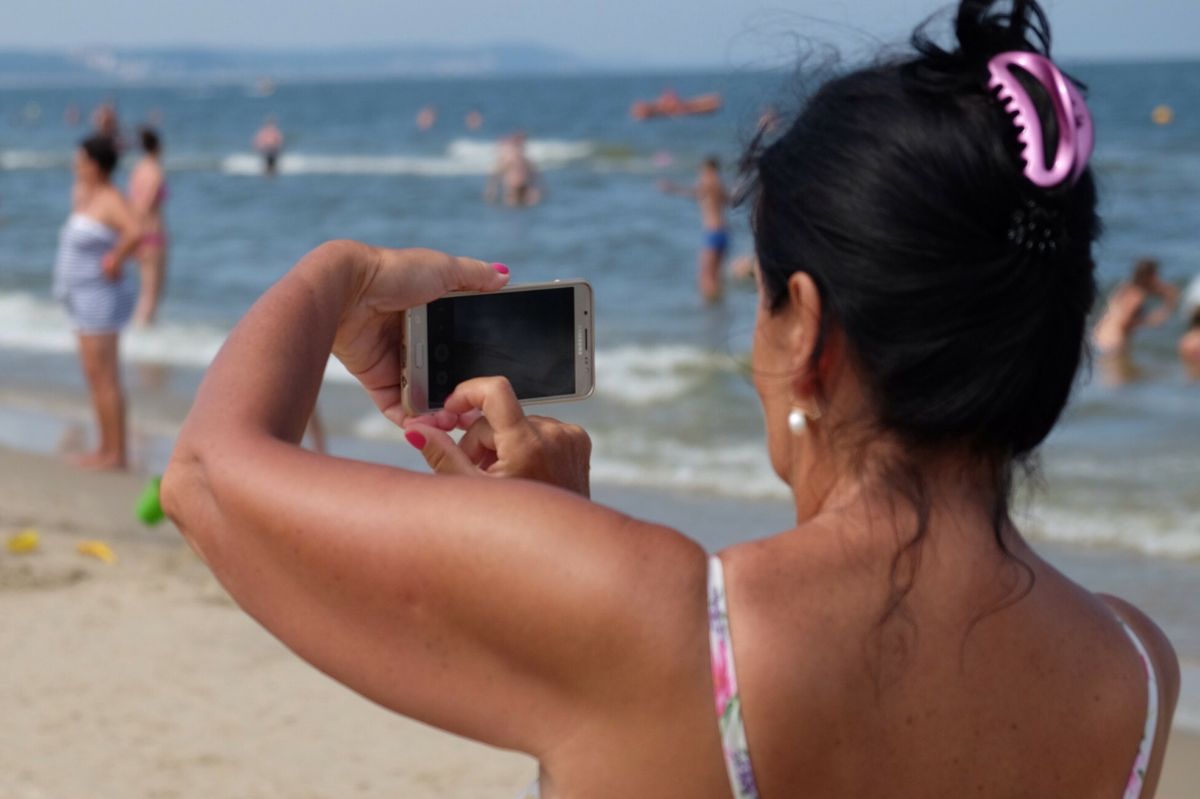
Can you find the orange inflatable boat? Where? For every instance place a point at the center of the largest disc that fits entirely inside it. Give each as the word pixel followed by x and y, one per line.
pixel 669 104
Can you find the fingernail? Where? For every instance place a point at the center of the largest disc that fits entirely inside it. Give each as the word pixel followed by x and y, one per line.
pixel 501 268
pixel 415 438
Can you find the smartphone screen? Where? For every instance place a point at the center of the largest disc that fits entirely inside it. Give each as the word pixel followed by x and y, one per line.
pixel 526 336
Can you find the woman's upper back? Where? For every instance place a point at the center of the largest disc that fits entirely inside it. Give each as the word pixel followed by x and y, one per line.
pixel 147 186
pixel 946 697
pixel 103 203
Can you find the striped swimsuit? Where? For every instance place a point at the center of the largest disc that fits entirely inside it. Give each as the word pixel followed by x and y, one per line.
pixel 94 303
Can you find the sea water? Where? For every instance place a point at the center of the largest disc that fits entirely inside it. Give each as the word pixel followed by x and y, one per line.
pixel 674 408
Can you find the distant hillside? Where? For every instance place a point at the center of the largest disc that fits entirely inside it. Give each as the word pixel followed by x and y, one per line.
pixel 153 65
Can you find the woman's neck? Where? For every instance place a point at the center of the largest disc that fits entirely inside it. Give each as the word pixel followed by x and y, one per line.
pixel 901 491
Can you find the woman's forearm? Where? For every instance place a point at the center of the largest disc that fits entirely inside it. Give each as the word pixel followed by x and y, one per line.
pixel 266 377
pixel 127 244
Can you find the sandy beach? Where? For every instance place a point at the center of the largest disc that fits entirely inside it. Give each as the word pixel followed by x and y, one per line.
pixel 140 678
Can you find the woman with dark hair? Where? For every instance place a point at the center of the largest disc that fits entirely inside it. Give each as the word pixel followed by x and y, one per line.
pixel 98 236
pixel 148 193
pixel 925 285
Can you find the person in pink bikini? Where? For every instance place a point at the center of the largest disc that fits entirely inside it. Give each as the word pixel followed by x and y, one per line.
pixel 268 141
pixel 924 290
pixel 147 195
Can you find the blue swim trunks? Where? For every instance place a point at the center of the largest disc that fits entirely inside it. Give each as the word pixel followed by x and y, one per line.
pixel 716 240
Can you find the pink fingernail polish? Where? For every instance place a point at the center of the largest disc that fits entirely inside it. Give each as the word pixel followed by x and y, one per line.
pixel 501 268
pixel 415 438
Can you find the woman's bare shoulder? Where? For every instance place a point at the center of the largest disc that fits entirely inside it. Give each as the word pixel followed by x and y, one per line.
pixel 1166 661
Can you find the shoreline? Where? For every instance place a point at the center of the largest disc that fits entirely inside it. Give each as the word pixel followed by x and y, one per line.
pixel 162 662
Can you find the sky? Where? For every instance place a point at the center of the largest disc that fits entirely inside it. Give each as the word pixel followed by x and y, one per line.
pixel 736 33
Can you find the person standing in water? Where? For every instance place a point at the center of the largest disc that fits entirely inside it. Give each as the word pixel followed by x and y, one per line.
pixel 712 198
pixel 514 174
pixel 148 193
pixel 269 144
pixel 426 118
pixel 1126 310
pixel 101 232
pixel 105 122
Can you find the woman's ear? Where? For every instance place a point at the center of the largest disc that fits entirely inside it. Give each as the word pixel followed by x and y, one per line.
pixel 804 306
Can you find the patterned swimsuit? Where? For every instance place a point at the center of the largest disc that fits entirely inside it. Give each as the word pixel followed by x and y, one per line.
pixel 733 727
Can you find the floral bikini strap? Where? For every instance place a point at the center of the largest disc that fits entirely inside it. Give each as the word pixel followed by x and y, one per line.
pixel 733 727
pixel 725 688
pixel 1137 777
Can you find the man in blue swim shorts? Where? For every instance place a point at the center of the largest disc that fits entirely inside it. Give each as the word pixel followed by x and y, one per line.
pixel 712 198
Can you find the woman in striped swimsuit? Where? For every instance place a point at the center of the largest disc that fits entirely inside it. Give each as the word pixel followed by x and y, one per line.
pixel 924 289
pixel 98 294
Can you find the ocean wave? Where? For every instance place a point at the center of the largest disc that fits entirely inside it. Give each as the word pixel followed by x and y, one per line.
pixel 29 323
pixel 629 375
pixel 313 164
pixel 736 471
pixel 543 152
pixel 14 160
pixel 645 375
pixel 1172 533
pixel 741 471
pixel 460 157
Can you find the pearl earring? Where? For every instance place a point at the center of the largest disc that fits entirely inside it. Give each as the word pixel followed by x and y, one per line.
pixel 797 421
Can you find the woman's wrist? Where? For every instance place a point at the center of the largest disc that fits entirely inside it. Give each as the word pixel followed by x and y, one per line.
pixel 339 269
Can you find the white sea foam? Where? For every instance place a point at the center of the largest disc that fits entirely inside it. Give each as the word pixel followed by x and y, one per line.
pixel 543 152
pixel 636 375
pixel 1190 301
pixel 314 164
pixel 646 456
pixel 636 459
pixel 648 461
pixel 461 157
pixel 1169 532
pixel 35 159
pixel 469 157
pixel 31 324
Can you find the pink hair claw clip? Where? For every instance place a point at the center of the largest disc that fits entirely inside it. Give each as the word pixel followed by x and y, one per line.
pixel 1076 135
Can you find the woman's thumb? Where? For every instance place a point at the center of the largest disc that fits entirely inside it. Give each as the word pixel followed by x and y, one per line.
pixel 439 450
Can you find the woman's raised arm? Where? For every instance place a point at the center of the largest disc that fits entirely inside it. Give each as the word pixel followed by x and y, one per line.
pixel 496 609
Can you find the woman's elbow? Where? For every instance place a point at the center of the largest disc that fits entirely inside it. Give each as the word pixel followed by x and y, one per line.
pixel 187 499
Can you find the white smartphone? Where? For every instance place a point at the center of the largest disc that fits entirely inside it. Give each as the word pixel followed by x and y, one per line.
pixel 540 336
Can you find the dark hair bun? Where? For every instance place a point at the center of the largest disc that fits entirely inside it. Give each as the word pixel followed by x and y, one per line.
pixel 897 189
pixel 149 138
pixel 102 151
pixel 983 29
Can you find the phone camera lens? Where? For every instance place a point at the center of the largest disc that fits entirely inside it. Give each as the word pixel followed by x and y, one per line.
pixel 441 378
pixel 441 353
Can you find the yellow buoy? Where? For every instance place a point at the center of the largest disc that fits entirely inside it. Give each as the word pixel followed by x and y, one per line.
pixel 24 542
pixel 1163 115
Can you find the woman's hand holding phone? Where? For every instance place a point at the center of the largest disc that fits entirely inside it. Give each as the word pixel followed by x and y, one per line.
pixel 500 440
pixel 371 327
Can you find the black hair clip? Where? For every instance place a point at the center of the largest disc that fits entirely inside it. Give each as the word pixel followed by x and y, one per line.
pixel 1036 228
